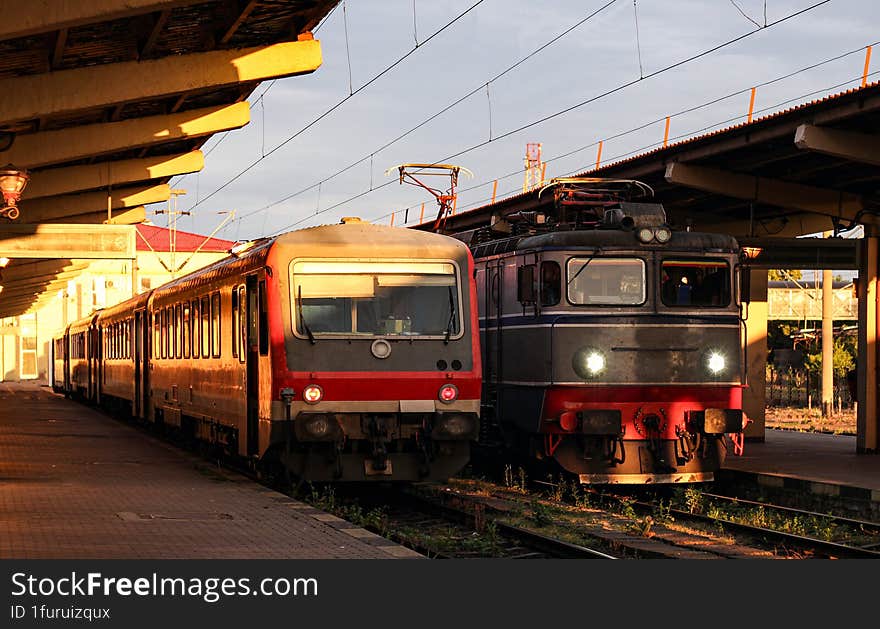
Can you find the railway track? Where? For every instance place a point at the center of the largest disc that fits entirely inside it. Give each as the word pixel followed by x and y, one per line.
pixel 441 531
pixel 784 540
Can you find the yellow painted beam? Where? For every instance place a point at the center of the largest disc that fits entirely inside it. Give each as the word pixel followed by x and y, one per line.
pixel 10 285
pixel 51 208
pixel 56 147
pixel 867 420
pixel 131 216
pixel 57 181
pixel 33 289
pixel 765 190
pixel 21 19
pixel 67 91
pixel 754 395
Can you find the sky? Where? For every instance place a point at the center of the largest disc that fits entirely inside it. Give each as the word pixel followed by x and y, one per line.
pixel 618 73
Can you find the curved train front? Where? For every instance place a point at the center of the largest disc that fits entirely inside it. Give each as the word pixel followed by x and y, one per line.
pixel 376 369
pixel 612 353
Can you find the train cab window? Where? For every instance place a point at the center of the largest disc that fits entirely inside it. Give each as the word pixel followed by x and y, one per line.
pixel 204 327
pixel 701 283
pixel 185 330
pixel 196 337
pixel 551 283
pixel 375 299
pixel 606 281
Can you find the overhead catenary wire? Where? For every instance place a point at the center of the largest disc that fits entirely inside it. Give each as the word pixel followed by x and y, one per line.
pixel 329 111
pixel 554 115
pixel 648 147
pixel 442 111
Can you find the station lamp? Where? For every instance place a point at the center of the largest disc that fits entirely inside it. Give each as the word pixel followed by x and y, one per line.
pixel 12 183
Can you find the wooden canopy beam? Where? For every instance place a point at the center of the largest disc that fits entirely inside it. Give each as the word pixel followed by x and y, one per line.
pixel 55 147
pixel 52 208
pixel 856 147
pixel 57 181
pixel 68 91
pixel 44 16
pixel 776 192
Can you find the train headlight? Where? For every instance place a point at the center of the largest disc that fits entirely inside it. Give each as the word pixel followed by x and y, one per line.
pixel 645 234
pixel 589 363
pixel 313 394
pixel 595 363
pixel 716 363
pixel 448 393
pixel 663 235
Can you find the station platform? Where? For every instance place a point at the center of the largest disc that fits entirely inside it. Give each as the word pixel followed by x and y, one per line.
pixel 77 484
pixel 819 463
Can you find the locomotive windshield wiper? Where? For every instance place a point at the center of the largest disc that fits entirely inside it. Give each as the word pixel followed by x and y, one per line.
pixel 302 319
pixel 590 259
pixel 451 323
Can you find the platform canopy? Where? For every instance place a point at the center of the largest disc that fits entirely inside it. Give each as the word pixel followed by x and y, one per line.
pixel 103 102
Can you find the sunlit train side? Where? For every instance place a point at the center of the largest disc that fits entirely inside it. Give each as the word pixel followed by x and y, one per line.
pixel 342 352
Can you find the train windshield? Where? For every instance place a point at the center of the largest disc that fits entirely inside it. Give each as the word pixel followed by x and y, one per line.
pixel 376 299
pixel 606 281
pixel 702 283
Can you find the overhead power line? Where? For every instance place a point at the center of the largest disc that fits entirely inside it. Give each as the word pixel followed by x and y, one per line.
pixel 437 114
pixel 338 104
pixel 566 110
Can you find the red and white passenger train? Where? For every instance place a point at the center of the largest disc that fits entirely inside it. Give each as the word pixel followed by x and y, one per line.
pixel 345 352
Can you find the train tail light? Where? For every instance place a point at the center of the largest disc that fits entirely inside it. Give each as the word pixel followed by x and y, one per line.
pixel 448 393
pixel 313 394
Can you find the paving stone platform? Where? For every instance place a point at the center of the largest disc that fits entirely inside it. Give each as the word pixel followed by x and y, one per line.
pixel 77 484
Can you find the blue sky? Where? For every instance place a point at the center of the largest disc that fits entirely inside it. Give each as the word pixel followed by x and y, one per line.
pixel 599 55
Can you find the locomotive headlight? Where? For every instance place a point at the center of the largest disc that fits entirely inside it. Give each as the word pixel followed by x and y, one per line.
pixel 663 235
pixel 715 363
pixel 645 234
pixel 313 394
pixel 448 393
pixel 589 363
pixel 595 363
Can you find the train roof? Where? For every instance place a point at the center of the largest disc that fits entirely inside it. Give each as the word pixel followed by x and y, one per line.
pixel 608 239
pixel 362 239
pixel 351 238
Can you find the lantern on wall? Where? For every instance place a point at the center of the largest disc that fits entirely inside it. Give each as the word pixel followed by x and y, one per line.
pixel 12 183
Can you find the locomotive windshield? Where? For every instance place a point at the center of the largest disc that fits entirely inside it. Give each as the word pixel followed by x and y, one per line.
pixel 414 299
pixel 703 283
pixel 606 281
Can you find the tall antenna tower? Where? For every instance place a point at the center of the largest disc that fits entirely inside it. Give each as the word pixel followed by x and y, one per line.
pixel 535 168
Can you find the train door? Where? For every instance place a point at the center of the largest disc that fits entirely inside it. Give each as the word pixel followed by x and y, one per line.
pixel 66 359
pixel 493 310
pixel 252 347
pixel 94 362
pixel 141 372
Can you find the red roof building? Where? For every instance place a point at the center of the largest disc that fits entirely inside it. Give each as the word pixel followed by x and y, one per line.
pixel 154 238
